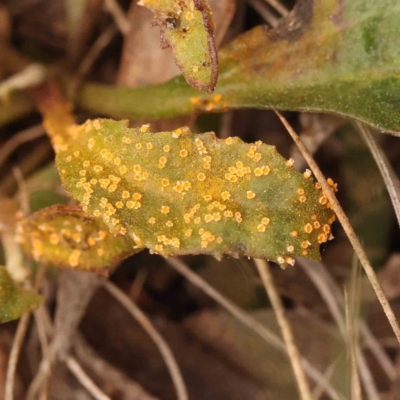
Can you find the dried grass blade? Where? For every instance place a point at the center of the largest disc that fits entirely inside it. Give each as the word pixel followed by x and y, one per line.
pixel 389 176
pixel 286 330
pixel 347 228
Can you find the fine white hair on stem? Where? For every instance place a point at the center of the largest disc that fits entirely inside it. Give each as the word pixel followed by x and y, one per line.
pixel 389 177
pixel 85 380
pixel 270 337
pixel 266 277
pixel 159 341
pixel 355 242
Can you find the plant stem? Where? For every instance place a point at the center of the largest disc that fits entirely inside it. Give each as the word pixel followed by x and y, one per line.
pixel 167 100
pixel 388 175
pixel 287 333
pixel 247 320
pixel 347 228
pixel 14 355
pixel 159 341
pixel 85 380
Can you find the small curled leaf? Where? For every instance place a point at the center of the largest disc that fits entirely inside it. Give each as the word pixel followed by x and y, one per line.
pixel 14 300
pixel 63 236
pixel 187 27
pixel 180 193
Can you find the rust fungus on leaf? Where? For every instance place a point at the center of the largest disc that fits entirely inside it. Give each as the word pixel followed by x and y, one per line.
pixel 223 197
pixel 64 236
pixel 186 26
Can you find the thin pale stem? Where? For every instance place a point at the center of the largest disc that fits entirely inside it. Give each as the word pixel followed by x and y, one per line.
pixel 347 228
pixel 286 330
pixel 85 380
pixel 330 293
pixel 14 355
pixel 17 343
pixel 159 341
pixel 46 330
pixel 265 13
pixel 318 390
pixel 109 375
pixel 278 6
pixel 333 298
pixel 94 52
pixel 270 337
pixel 44 344
pixel 22 137
pixel 389 176
pixel 119 16
pixel 351 344
pixel 30 76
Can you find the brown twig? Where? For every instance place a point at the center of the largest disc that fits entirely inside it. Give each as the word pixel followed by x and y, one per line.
pixel 270 337
pixel 95 50
pixel 119 16
pixel 43 339
pixel 266 14
pixel 278 6
pixel 351 345
pixel 318 391
pixel 14 355
pixel 44 324
pixel 109 374
pixel 85 380
pixel 316 130
pixel 22 137
pixel 27 165
pixel 333 298
pixel 17 343
pixel 347 228
pixel 159 341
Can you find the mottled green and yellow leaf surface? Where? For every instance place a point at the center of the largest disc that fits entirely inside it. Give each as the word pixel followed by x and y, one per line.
pixel 337 56
pixel 14 300
pixel 181 193
pixel 186 26
pixel 63 236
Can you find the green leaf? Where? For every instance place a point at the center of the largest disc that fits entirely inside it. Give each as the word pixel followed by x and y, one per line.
pixel 14 300
pixel 187 27
pixel 337 56
pixel 63 236
pixel 180 193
